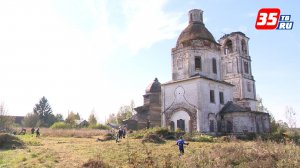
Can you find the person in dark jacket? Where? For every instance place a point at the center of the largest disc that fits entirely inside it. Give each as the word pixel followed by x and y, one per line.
pixel 180 143
pixel 120 133
pixel 32 130
pixel 37 132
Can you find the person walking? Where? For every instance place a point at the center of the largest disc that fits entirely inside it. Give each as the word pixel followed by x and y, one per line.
pixel 37 132
pixel 120 133
pixel 117 136
pixel 180 143
pixel 32 130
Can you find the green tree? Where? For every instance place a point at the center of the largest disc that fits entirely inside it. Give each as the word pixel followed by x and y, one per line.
pixel 72 117
pixel 44 111
pixel 92 119
pixel 125 112
pixel 59 117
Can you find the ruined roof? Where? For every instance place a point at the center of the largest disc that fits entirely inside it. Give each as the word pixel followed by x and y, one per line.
pixel 233 33
pixel 141 109
pixel 139 117
pixel 195 31
pixel 232 107
pixel 154 86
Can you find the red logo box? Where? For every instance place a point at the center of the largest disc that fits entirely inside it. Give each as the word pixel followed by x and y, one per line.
pixel 267 18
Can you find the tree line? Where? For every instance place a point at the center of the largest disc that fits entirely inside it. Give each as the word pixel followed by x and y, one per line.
pixel 42 116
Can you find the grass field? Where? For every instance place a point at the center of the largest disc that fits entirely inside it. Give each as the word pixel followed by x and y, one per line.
pixel 74 152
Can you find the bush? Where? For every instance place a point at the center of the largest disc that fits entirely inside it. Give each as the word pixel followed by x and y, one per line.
pixel 99 126
pixel 153 138
pixel 137 134
pixel 198 138
pixel 61 125
pixel 247 136
pixel 162 132
pixel 179 133
pixel 294 136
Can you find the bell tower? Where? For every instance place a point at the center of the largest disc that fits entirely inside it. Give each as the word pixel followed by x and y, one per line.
pixel 196 51
pixel 236 65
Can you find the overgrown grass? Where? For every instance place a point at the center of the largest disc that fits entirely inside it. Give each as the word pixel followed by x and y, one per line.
pixel 162 132
pixel 195 137
pixel 76 152
pixel 78 133
pixel 99 126
pixel 61 125
pixel 30 140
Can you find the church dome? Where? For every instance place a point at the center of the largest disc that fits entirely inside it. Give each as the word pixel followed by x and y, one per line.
pixel 196 29
pixel 154 86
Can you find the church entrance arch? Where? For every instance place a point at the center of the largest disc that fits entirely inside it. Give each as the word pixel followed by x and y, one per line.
pixel 181 120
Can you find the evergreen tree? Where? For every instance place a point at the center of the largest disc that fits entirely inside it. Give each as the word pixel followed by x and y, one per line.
pixel 44 111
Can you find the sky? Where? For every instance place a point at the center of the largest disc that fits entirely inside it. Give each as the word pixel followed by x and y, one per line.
pixel 98 55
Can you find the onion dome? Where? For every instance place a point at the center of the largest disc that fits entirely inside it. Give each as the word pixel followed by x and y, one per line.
pixel 196 29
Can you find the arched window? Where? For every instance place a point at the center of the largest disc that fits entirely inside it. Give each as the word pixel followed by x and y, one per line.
pixel 244 47
pixel 214 65
pixel 246 67
pixel 228 47
pixel 181 124
pixel 198 64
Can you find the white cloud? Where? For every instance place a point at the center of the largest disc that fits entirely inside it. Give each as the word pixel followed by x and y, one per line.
pixel 45 50
pixel 43 54
pixel 147 23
